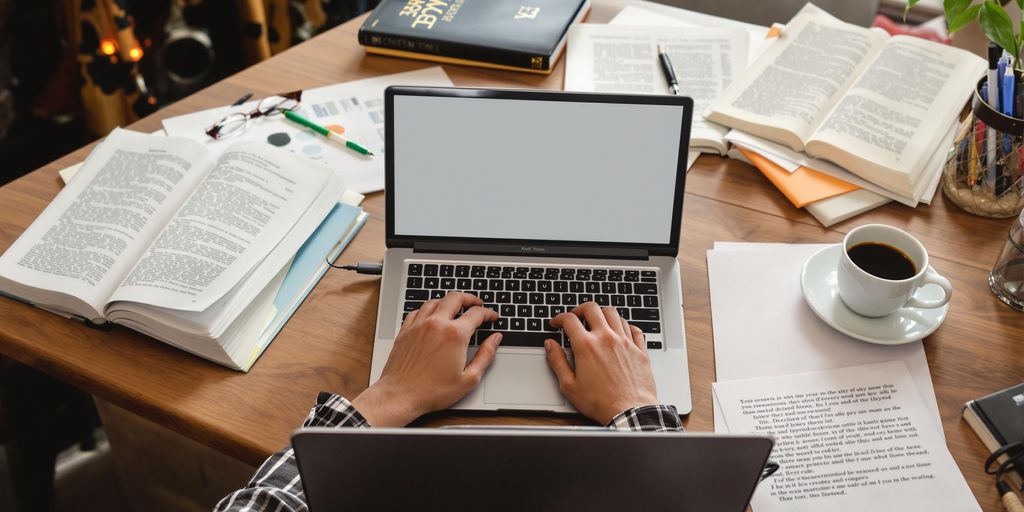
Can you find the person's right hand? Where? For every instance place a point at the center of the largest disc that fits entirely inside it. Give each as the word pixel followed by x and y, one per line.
pixel 613 372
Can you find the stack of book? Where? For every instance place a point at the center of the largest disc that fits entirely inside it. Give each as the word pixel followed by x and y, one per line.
pixel 842 119
pixel 210 254
pixel 847 116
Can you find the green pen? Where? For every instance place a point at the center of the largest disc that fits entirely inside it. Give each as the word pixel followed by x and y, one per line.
pixel 354 146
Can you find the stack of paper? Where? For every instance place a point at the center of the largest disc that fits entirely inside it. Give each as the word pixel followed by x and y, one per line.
pixel 354 109
pixel 857 426
pixel 619 57
pixel 708 52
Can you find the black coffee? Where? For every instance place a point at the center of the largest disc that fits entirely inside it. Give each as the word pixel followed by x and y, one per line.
pixel 884 261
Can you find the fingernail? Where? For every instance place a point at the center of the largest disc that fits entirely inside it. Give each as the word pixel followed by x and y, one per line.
pixel 547 345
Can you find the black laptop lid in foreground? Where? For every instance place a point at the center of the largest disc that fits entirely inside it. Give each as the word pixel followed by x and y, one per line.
pixel 527 469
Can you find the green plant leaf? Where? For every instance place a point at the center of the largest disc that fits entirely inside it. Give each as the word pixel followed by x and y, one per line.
pixel 998 26
pixel 910 3
pixel 954 8
pixel 964 18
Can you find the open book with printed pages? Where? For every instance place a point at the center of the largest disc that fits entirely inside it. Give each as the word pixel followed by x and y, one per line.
pixel 876 105
pixel 208 254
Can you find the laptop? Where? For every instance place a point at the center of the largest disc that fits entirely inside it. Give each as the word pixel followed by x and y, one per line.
pixel 536 202
pixel 527 469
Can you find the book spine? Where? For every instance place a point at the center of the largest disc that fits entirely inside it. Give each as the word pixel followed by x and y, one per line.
pixel 427 47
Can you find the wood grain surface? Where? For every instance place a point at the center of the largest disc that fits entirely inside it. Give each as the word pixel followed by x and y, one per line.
pixel 327 344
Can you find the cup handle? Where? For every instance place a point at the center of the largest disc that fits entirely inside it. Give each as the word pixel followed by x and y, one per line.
pixel 932 277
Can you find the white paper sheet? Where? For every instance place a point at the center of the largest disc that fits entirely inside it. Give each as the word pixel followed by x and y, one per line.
pixel 623 58
pixel 856 438
pixel 763 327
pixel 756 34
pixel 357 107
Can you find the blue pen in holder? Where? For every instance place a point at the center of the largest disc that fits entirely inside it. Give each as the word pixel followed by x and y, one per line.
pixel 981 181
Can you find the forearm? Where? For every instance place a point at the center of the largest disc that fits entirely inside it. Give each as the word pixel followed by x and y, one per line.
pixel 649 418
pixel 276 484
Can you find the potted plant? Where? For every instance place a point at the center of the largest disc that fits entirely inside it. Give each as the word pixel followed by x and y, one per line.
pixel 999 192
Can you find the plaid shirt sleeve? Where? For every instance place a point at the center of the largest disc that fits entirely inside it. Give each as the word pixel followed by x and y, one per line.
pixel 649 418
pixel 276 485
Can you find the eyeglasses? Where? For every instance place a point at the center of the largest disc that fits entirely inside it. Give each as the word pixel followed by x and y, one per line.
pixel 235 123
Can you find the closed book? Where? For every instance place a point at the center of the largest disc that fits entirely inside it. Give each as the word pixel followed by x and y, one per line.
pixel 998 419
pixel 488 33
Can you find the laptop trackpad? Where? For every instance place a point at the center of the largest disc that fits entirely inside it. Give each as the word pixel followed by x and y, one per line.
pixel 522 379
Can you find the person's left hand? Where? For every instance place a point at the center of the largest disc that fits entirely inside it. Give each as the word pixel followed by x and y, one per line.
pixel 426 370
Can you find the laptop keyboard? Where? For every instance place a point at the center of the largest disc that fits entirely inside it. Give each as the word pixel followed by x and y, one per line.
pixel 527 297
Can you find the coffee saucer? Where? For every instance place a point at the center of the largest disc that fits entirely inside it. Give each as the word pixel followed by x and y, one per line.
pixel 819 282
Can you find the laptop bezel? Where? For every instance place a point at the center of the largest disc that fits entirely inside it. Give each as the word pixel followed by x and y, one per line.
pixel 477 245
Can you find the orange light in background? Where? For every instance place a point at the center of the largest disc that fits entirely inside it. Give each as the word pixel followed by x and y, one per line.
pixel 151 100
pixel 135 54
pixel 108 47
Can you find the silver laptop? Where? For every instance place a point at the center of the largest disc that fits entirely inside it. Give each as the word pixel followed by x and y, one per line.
pixel 527 470
pixel 537 202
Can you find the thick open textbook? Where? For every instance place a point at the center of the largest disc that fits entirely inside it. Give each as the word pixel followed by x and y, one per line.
pixel 156 234
pixel 879 106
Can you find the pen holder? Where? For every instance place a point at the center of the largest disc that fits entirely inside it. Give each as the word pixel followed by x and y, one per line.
pixel 986 179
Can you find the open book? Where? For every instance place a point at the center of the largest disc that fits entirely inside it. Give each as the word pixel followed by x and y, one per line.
pixel 876 105
pixel 156 234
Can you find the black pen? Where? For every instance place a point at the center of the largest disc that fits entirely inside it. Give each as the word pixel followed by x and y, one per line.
pixel 670 73
pixel 241 100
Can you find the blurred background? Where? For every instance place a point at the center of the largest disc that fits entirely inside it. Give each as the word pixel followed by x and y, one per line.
pixel 71 70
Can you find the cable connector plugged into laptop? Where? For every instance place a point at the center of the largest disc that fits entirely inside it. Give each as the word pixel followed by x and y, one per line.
pixel 362 268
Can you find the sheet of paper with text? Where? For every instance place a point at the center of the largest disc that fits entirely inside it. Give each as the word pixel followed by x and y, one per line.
pixel 857 438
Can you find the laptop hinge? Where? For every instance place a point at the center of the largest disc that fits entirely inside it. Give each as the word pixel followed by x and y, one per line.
pixel 552 251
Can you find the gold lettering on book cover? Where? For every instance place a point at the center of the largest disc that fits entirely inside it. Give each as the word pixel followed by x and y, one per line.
pixel 527 13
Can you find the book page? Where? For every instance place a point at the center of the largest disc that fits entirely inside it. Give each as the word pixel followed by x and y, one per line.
pixel 251 199
pixel 897 110
pixel 618 58
pixel 94 231
pixel 855 438
pixel 786 93
pixel 758 38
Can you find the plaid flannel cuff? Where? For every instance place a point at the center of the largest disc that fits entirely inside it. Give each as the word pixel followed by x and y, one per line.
pixel 649 418
pixel 334 411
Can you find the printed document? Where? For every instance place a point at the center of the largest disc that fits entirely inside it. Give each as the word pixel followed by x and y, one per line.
pixel 354 109
pixel 856 438
pixel 617 58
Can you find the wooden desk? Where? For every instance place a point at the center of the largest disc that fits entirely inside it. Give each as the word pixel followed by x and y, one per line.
pixel 327 344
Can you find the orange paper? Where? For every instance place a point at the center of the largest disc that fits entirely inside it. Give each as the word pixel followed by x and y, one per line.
pixel 801 187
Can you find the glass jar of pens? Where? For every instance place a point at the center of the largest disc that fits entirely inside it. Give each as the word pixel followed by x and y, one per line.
pixel 984 169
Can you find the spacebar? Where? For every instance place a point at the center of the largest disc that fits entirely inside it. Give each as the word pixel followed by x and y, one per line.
pixel 521 338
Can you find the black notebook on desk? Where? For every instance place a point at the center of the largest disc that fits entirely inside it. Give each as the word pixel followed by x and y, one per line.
pixel 998 419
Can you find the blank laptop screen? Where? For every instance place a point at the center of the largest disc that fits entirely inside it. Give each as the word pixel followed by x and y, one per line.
pixel 535 170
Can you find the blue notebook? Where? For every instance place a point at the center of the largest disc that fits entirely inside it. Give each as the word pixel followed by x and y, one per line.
pixel 309 265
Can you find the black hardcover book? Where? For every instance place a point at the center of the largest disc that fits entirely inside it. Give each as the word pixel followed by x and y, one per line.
pixel 998 419
pixel 504 34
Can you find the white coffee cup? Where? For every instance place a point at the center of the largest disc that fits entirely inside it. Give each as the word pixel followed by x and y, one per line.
pixel 873 296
